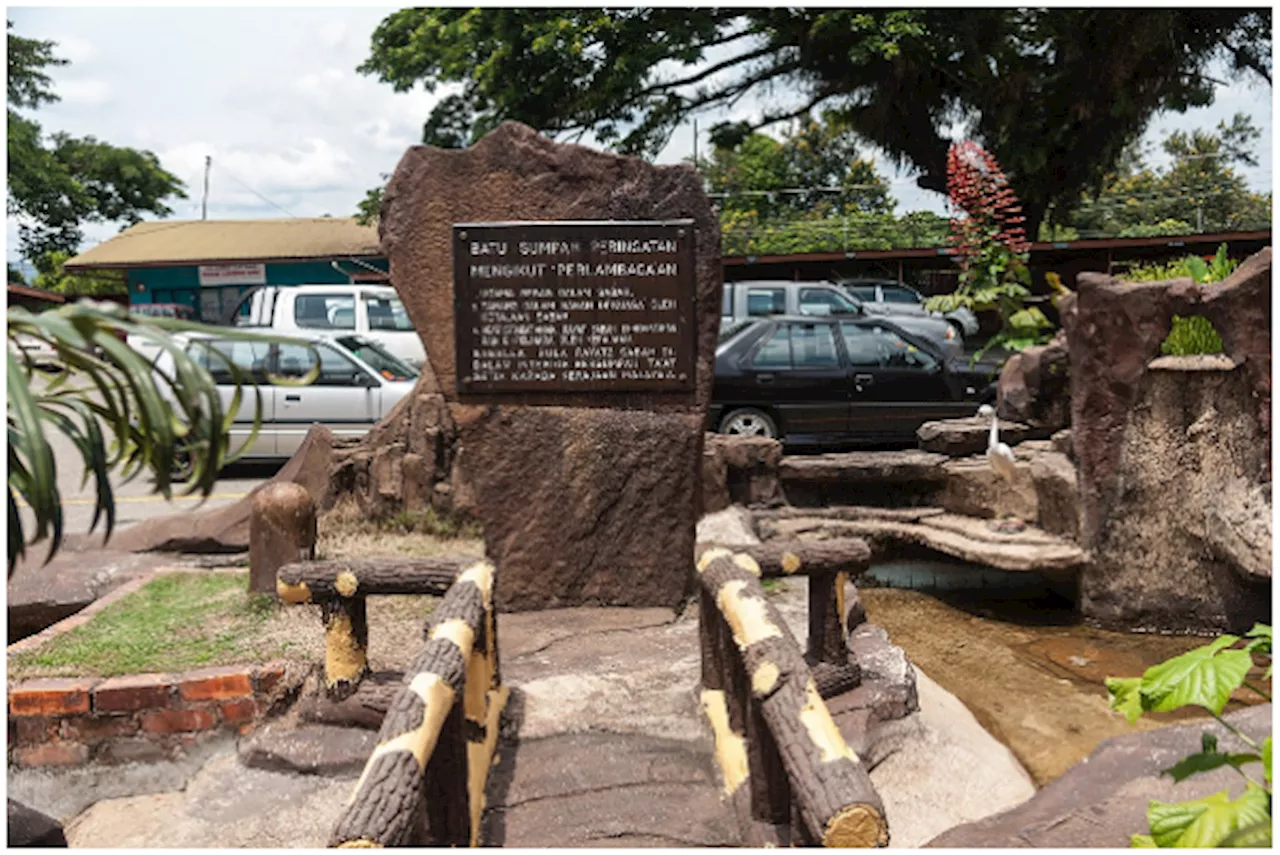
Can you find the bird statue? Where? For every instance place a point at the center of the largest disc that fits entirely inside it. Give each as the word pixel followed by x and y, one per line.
pixel 1002 460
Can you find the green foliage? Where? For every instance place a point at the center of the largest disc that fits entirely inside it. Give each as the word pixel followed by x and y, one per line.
pixel 1200 190
pixel 760 175
pixel 57 185
pixel 631 76
pixel 118 413
pixel 1205 677
pixel 51 276
pixel 175 622
pixel 1191 335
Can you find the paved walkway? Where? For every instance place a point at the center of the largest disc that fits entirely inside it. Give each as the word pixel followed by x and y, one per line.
pixel 612 751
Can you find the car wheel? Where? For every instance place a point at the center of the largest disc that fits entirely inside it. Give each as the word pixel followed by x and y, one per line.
pixel 749 421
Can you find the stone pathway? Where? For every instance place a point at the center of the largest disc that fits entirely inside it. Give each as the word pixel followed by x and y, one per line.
pixel 606 746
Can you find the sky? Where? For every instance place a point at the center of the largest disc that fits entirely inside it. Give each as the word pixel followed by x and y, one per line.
pixel 272 95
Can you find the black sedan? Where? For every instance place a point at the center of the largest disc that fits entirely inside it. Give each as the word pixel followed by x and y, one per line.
pixel 823 381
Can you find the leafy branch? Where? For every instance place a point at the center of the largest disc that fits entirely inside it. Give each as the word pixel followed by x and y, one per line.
pixel 1206 677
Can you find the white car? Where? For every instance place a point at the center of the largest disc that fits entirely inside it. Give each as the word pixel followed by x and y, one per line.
pixel 358 384
pixel 890 297
pixel 35 351
pixel 372 311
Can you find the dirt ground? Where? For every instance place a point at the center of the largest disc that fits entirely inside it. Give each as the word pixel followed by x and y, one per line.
pixel 1031 675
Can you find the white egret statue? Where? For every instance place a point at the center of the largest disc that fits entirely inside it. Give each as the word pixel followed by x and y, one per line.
pixel 1002 460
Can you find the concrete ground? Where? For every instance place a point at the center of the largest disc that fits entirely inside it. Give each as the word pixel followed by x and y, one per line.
pixel 613 751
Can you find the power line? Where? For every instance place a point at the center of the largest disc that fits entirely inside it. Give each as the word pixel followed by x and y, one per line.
pixel 239 181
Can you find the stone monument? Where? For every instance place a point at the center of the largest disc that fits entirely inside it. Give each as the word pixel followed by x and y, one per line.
pixel 568 300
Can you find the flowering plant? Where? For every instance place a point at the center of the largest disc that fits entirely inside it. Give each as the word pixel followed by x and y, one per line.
pixel 992 248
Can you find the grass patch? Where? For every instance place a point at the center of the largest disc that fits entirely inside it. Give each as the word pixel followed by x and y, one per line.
pixel 173 623
pixel 345 532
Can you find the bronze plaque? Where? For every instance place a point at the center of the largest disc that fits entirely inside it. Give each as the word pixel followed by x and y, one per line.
pixel 563 306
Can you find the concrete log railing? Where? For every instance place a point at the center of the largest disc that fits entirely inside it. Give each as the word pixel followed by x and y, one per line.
pixel 830 566
pixel 424 782
pixel 341 587
pixel 776 742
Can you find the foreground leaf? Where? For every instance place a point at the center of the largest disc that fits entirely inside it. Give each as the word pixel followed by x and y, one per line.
pixel 1266 758
pixel 1142 841
pixel 1204 677
pixel 1206 822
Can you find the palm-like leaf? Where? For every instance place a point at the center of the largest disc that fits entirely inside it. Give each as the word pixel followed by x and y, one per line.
pixel 117 411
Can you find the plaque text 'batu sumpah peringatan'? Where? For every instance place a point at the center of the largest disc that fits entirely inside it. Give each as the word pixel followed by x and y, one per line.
pixel 584 306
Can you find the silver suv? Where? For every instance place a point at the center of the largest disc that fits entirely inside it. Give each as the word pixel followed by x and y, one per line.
pixel 744 301
pixel 890 297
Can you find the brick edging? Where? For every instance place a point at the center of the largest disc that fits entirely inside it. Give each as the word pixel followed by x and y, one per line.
pixel 68 721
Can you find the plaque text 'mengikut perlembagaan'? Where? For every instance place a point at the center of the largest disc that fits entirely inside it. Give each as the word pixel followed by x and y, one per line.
pixel 562 307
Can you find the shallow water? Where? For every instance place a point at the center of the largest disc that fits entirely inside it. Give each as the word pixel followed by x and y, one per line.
pixel 1015 652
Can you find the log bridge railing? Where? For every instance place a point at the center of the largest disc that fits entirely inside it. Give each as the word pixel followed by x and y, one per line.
pixel 424 782
pixel 776 742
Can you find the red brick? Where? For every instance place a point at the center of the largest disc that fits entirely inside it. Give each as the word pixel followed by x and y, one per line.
pixel 52 754
pixel 177 721
pixel 91 729
pixel 239 710
pixel 33 730
pixel 215 684
pixel 269 676
pixel 133 692
pixel 51 697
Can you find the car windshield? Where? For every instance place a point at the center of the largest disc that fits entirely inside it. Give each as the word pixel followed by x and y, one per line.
pixel 387 366
pixel 387 313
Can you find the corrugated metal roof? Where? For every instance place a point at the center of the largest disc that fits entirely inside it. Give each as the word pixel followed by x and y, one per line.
pixel 211 241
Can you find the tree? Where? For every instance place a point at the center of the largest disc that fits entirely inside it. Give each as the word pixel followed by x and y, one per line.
pixel 1199 191
pixel 51 276
pixel 57 185
pixel 781 177
pixel 1055 94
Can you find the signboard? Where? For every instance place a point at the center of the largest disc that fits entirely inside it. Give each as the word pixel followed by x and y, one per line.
pixel 212 275
pixel 574 306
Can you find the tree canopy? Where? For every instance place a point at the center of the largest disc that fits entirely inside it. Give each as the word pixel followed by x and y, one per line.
pixel 56 185
pixel 1055 94
pixel 1200 190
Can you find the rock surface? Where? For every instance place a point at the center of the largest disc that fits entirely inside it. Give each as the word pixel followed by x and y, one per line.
pixel 313 749
pixel 631 480
pixel 1035 386
pixel 628 464
pixel 1102 801
pixel 1168 558
pixel 29 827
pixel 970 435
pixel 967 538
pixel 864 467
pixel 740 470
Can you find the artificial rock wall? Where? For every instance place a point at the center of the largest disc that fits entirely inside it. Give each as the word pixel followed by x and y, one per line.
pixel 1173 453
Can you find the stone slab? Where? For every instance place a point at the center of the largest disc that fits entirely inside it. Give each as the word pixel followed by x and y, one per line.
pixel 313 749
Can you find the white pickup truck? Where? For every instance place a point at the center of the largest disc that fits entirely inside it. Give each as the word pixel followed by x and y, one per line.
pixel 372 311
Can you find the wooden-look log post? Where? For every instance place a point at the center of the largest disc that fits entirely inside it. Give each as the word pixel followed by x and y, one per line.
pixel 829 565
pixel 832 790
pixel 387 805
pixel 341 588
pixel 282 529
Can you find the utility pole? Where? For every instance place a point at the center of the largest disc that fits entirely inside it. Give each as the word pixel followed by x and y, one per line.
pixel 204 201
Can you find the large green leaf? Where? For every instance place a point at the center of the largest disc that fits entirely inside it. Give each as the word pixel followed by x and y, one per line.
pixel 1266 758
pixel 1259 639
pixel 1256 836
pixel 1209 821
pixel 1205 676
pixel 1142 841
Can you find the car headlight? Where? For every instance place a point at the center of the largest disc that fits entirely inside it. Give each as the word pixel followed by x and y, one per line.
pixel 951 332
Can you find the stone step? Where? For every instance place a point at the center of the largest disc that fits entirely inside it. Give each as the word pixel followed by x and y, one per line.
pixel 970 539
pixel 607 789
pixel 862 467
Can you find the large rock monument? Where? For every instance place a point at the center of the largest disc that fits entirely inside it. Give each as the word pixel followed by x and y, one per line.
pixel 568 301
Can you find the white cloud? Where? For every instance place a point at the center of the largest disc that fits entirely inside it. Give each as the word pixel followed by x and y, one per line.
pixel 75 50
pixel 88 93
